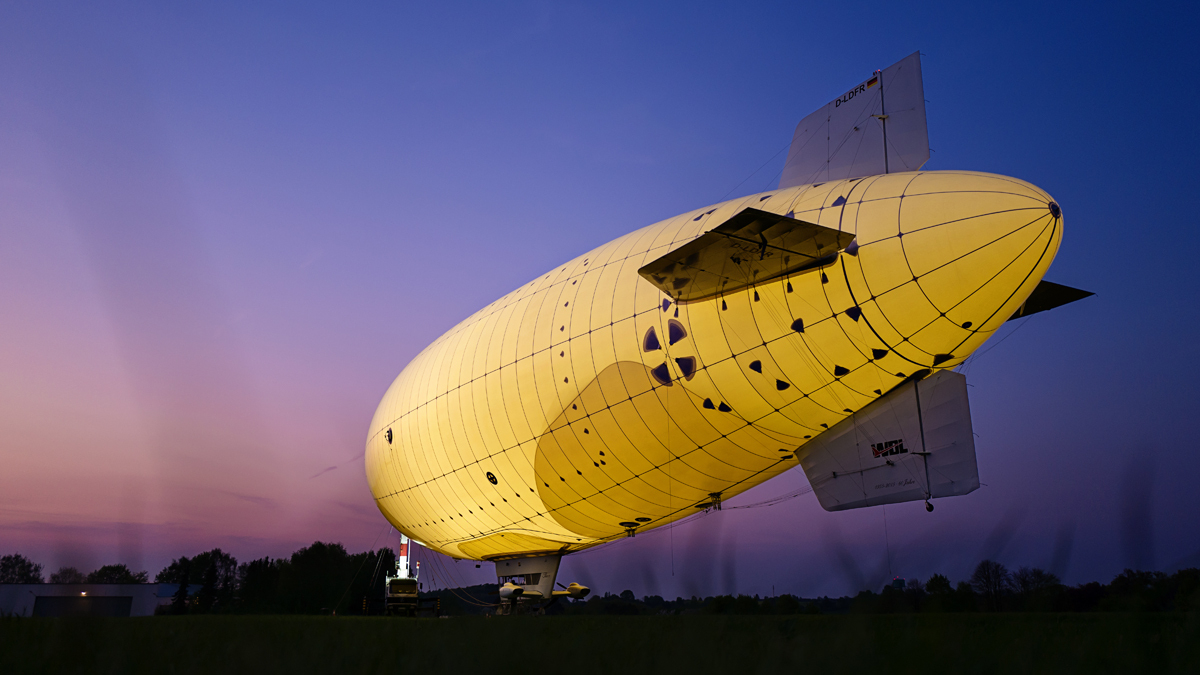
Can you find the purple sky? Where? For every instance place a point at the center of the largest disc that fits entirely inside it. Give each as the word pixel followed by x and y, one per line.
pixel 224 230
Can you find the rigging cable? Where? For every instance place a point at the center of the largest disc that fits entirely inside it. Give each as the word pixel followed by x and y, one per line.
pixel 970 360
pixel 456 591
pixel 361 565
pixel 785 147
pixel 779 499
pixel 773 500
pixel 378 562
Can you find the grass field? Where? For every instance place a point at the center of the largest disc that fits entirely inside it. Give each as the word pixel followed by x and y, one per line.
pixel 738 645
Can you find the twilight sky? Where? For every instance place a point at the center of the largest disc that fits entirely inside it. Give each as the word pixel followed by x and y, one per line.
pixel 225 228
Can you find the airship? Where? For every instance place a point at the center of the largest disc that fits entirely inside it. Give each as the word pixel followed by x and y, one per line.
pixel 816 325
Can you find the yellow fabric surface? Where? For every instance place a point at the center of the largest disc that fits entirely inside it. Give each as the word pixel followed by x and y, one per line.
pixel 532 388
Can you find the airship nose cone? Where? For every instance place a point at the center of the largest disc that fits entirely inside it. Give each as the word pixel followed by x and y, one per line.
pixel 945 258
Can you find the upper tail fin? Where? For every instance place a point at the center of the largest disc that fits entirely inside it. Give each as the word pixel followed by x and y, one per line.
pixel 876 127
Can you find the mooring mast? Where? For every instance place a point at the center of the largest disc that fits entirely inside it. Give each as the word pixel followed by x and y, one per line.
pixel 401 589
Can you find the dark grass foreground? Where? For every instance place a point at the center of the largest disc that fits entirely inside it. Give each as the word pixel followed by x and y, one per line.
pixel 738 645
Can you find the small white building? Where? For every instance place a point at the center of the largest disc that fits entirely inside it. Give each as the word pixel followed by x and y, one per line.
pixel 84 599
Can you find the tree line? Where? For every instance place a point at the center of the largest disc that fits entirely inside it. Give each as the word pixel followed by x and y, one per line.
pixel 992 587
pixel 323 579
pixel 318 579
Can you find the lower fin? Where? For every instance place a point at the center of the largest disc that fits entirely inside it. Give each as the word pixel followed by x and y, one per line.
pixel 911 444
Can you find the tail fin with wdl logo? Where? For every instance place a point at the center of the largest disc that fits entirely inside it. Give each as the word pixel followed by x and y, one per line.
pixel 913 443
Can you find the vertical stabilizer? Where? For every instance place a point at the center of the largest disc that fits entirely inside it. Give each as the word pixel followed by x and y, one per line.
pixel 876 127
pixel 913 443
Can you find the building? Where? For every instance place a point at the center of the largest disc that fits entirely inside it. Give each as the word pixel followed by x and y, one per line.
pixel 84 599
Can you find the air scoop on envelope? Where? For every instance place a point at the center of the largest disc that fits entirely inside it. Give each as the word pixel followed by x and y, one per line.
pixel 750 248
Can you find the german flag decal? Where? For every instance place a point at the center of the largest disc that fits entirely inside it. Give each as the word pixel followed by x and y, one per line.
pixel 872 82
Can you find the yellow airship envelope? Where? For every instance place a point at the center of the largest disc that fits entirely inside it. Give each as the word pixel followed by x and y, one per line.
pixel 816 325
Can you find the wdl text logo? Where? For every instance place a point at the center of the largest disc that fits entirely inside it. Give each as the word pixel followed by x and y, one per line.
pixel 887 448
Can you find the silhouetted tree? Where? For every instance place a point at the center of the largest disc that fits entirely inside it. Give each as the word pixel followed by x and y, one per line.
pixel 1187 590
pixel 964 599
pixel 178 572
pixel 207 596
pixel 258 585
pixel 938 584
pixel 179 601
pixel 1135 590
pixel 1036 588
pixel 787 604
pixel 866 602
pixel 619 604
pixel 315 579
pixel 17 569
pixel 1082 598
pixel 892 600
pixel 939 595
pixel 215 571
pixel 991 580
pixel 175 573
pixel 368 585
pixel 68 575
pixel 117 574
pixel 1028 580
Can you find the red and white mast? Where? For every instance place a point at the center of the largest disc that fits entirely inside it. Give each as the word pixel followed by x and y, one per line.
pixel 405 568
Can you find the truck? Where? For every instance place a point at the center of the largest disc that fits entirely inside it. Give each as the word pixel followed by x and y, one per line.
pixel 401 590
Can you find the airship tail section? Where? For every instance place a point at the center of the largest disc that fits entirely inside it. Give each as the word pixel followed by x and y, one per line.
pixel 912 444
pixel 876 127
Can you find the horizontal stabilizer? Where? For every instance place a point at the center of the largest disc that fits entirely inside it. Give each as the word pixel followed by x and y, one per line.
pixel 752 247
pixel 913 443
pixel 876 127
pixel 1049 295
